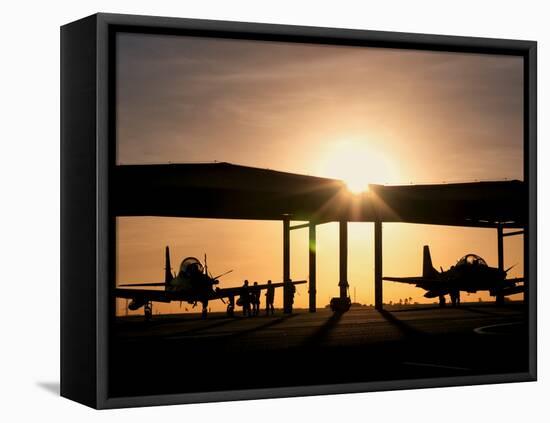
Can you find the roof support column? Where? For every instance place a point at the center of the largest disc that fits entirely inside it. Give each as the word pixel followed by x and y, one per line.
pixel 378 265
pixel 287 307
pixel 500 246
pixel 500 251
pixel 312 268
pixel 343 284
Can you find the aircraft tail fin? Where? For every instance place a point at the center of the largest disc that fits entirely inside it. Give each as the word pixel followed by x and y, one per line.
pixel 428 270
pixel 167 268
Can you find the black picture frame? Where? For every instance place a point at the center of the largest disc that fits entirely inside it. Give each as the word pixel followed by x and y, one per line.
pixel 87 159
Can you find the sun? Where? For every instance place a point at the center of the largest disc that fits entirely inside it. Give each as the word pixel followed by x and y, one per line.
pixel 358 164
pixel 351 169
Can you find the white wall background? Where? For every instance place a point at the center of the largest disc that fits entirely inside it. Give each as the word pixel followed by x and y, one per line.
pixel 29 212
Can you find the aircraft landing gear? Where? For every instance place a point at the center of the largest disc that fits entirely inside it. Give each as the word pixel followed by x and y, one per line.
pixel 148 311
pixel 442 301
pixel 231 307
pixel 455 298
pixel 230 310
pixel 204 313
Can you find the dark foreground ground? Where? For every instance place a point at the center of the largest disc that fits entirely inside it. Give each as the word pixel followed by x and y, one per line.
pixel 183 353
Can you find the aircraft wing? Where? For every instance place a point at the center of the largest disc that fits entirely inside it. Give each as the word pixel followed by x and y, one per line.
pixel 143 294
pixel 413 280
pixel 515 280
pixel 234 291
pixel 144 284
pixel 514 290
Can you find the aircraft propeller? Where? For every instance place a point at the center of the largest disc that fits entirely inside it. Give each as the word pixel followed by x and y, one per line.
pixel 510 268
pixel 223 274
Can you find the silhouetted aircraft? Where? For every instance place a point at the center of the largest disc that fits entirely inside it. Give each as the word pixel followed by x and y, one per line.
pixel 470 274
pixel 192 284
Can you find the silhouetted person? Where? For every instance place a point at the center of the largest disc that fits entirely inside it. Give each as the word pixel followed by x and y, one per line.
pixel 255 299
pixel 289 291
pixel 269 298
pixel 245 299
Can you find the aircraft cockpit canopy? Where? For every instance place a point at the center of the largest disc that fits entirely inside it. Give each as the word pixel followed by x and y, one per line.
pixel 190 266
pixel 471 260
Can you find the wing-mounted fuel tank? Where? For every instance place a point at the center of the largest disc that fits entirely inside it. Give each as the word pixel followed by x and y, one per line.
pixel 136 304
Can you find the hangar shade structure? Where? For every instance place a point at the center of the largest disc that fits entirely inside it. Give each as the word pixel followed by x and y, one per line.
pixel 228 191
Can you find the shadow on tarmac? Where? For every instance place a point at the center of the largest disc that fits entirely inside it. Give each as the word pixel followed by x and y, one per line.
pixel 404 328
pixel 321 334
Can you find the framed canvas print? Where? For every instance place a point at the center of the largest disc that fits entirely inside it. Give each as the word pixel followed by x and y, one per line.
pixel 255 211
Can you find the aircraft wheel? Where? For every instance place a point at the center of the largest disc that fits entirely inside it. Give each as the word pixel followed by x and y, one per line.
pixel 230 310
pixel 453 300
pixel 148 313
pixel 441 301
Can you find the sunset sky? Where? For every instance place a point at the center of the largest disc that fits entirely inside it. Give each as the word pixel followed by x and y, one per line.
pixel 364 115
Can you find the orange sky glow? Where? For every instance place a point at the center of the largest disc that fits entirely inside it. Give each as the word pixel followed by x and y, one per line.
pixel 363 115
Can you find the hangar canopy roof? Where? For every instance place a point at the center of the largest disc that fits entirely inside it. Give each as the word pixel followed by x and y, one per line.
pixel 228 191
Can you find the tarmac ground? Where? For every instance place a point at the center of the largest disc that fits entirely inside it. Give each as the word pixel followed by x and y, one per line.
pixel 184 353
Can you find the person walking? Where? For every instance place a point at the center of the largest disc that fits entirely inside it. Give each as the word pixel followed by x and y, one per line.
pixel 289 291
pixel 269 299
pixel 245 299
pixel 255 299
